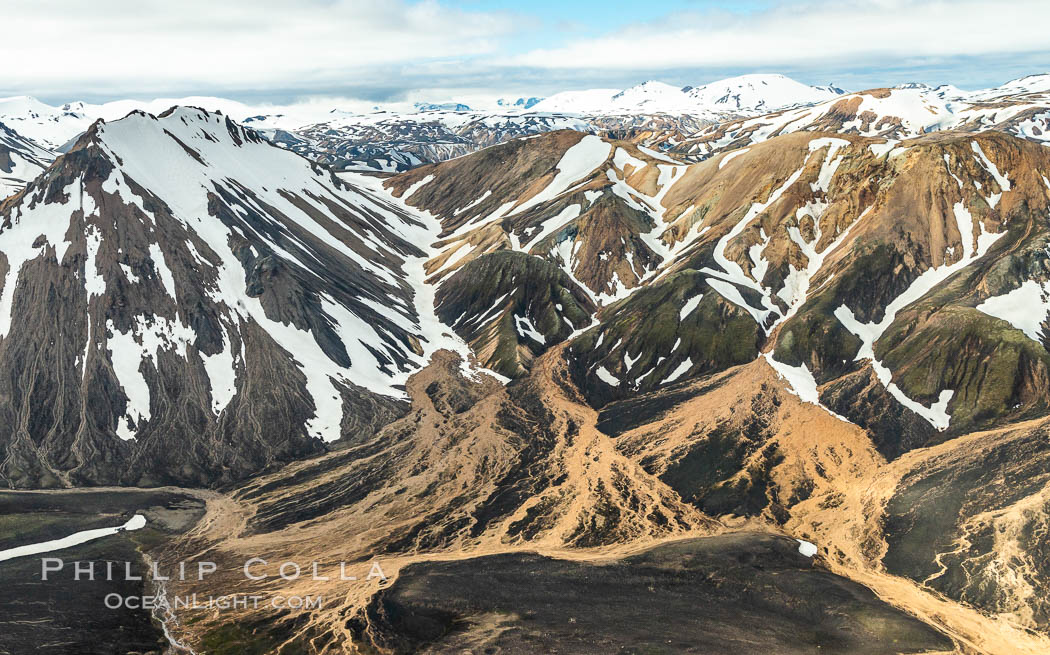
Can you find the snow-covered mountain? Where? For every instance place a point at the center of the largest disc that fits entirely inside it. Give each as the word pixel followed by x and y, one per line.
pixel 520 103
pixel 390 140
pixel 649 97
pixel 378 139
pixel 48 126
pixel 760 93
pixel 1020 107
pixel 173 283
pixel 750 96
pixel 1039 83
pixel 747 95
pixel 21 160
pixel 56 126
pixel 393 141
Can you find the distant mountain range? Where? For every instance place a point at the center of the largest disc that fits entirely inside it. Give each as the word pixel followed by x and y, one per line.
pixel 692 121
pixel 54 126
pixel 747 94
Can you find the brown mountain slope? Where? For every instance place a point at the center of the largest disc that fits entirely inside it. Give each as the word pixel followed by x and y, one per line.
pixel 819 246
pixel 962 518
pixel 474 468
pixel 467 474
pixel 586 204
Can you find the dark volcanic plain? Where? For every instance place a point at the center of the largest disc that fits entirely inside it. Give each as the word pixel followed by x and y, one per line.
pixel 745 593
pixel 62 615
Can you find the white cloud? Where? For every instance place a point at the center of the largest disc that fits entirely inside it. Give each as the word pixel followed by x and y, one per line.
pixel 405 50
pixel 826 32
pixel 158 45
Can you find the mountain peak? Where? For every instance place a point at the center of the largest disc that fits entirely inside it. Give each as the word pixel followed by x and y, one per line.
pixel 441 106
pixel 17 102
pixel 759 92
pixel 1029 83
pixel 195 130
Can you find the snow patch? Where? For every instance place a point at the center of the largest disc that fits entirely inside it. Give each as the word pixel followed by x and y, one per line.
pixel 1000 179
pixel 222 374
pixel 806 549
pixel 679 371
pixel 1025 307
pixel 129 351
pixel 831 163
pixel 416 186
pixel 731 156
pixel 578 161
pixel 163 271
pixel 525 328
pixel 800 381
pixel 880 149
pixel 552 225
pixel 136 522
pixel 479 200
pixel 658 155
pixel 689 306
pixel 622 158
pixel 605 376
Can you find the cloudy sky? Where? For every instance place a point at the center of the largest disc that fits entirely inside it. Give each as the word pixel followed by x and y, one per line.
pixel 406 50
